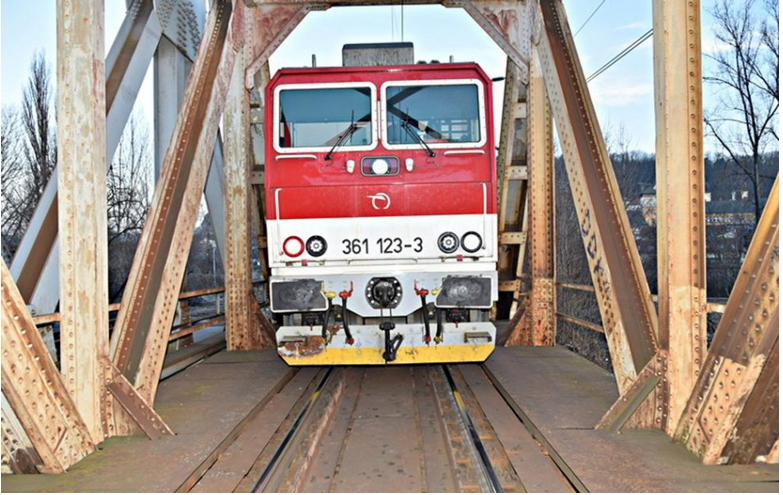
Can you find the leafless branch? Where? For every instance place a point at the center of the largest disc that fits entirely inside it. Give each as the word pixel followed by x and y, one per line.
pixel 744 121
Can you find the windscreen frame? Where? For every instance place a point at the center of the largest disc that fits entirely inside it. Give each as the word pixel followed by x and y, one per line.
pixel 325 149
pixel 482 114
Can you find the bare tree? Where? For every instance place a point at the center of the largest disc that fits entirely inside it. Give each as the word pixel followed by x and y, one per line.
pixel 128 180
pixel 128 187
pixel 39 125
pixel 770 63
pixel 626 162
pixel 13 179
pixel 745 74
pixel 29 154
pixel 29 148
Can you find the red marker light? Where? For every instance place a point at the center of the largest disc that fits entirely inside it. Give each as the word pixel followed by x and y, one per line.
pixel 293 247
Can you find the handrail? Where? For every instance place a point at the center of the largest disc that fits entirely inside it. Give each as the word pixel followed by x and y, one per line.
pixel 200 325
pixel 580 322
pixel 581 287
pixel 48 318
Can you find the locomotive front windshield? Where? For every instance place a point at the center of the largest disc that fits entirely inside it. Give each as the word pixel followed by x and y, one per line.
pixel 436 114
pixel 319 118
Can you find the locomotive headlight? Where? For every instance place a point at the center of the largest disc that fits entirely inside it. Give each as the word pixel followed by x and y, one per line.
pixel 383 166
pixel 471 242
pixel 448 242
pixel 293 246
pixel 380 167
pixel 316 246
pixel 465 292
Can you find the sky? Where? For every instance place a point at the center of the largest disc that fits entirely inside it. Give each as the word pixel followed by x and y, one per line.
pixel 623 95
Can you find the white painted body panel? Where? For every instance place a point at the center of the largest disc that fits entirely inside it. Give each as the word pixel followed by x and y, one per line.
pixel 407 228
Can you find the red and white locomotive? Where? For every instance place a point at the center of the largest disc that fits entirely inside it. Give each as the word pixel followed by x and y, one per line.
pixel 381 212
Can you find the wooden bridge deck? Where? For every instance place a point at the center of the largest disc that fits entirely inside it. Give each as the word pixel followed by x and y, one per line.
pixel 559 395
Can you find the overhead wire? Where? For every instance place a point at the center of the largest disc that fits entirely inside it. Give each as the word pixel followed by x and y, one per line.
pixel 402 21
pixel 620 55
pixel 589 18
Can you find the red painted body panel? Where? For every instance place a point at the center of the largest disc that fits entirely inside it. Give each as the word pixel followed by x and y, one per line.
pixel 341 201
pixel 445 184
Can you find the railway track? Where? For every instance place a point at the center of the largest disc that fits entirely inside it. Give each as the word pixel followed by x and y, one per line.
pixel 445 428
pixel 414 428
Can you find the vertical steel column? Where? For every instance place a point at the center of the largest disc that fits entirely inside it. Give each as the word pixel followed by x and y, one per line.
pixel 738 382
pixel 81 182
pixel 241 333
pixel 541 169
pixel 258 211
pixel 34 390
pixel 682 298
pixel 513 187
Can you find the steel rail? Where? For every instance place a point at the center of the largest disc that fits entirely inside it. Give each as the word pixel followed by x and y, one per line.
pixel 284 462
pixel 275 463
pixel 486 465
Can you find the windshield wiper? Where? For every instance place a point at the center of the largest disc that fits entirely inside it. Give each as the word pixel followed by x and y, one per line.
pixel 415 135
pixel 345 135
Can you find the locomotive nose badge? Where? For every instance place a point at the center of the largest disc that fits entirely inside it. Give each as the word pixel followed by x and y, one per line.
pixel 380 201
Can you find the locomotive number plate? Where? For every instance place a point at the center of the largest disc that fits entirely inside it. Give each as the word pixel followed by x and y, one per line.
pixel 383 245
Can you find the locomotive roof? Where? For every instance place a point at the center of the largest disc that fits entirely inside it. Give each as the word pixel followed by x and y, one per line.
pixel 304 71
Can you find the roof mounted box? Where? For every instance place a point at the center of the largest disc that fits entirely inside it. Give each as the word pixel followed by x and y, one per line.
pixel 372 54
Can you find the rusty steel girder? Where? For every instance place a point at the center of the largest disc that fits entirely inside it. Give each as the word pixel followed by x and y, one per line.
pixel 738 383
pixel 624 298
pixel 513 186
pixel 541 169
pixel 258 201
pixel 682 284
pixel 507 23
pixel 34 389
pixel 629 408
pixel 756 430
pixel 149 302
pixel 240 335
pixel 134 405
pixel 268 27
pixel 242 328
pixel 81 184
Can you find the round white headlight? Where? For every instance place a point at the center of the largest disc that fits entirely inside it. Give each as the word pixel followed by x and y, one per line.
pixel 380 167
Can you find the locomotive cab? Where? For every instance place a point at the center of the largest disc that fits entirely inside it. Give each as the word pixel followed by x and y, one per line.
pixel 381 213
